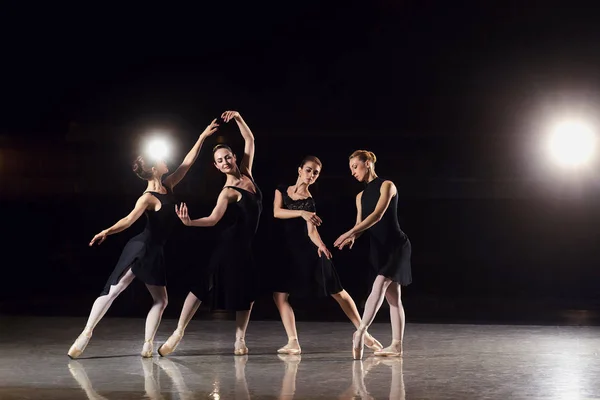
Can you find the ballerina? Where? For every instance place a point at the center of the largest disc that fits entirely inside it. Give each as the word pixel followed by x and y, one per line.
pixel 142 256
pixel 308 269
pixel 377 207
pixel 239 205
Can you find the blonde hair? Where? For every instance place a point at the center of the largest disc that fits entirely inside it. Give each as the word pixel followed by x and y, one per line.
pixel 364 155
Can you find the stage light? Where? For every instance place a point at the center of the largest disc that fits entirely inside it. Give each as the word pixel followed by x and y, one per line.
pixel 572 143
pixel 158 149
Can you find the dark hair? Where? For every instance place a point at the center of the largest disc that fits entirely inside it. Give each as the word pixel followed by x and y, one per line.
pixel 309 159
pixel 222 146
pixel 364 155
pixel 142 169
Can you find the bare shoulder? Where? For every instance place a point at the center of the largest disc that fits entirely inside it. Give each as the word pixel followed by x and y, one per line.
pixel 146 201
pixel 146 198
pixel 230 194
pixel 389 187
pixel 359 196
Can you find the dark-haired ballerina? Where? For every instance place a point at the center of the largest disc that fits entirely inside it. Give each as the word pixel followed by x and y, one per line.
pixel 377 211
pixel 231 267
pixel 309 269
pixel 142 256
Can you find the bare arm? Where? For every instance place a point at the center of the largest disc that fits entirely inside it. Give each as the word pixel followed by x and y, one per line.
pixel 314 236
pixel 140 206
pixel 248 159
pixel 225 197
pixel 173 179
pixel 358 212
pixel 283 213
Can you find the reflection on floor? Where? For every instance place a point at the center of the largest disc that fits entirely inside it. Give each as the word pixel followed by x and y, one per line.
pixel 440 362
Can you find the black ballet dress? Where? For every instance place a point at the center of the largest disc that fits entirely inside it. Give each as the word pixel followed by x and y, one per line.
pixel 390 247
pixel 231 282
pixel 303 272
pixel 144 253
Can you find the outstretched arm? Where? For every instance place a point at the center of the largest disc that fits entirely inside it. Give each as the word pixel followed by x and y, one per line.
pixel 172 180
pixel 140 206
pixel 225 197
pixel 248 159
pixel 283 213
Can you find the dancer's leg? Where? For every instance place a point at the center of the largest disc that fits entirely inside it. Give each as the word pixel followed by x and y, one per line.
pixel 372 305
pixel 190 306
pixel 103 303
pixel 349 307
pixel 397 318
pixel 241 324
pixel 100 307
pixel 289 323
pixel 160 301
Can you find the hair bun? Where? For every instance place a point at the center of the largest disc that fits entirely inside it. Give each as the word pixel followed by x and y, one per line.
pixel 140 169
pixel 372 156
pixel 138 164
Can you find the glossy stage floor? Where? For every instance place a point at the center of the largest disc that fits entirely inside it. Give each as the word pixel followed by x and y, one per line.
pixel 441 361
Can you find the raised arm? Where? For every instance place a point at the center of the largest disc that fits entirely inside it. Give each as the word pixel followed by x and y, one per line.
pixel 387 191
pixel 172 180
pixel 248 159
pixel 140 206
pixel 225 197
pixel 283 213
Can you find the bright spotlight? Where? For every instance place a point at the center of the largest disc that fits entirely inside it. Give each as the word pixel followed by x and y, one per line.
pixel 158 149
pixel 572 143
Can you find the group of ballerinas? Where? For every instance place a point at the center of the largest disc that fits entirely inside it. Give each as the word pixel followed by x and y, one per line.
pixel 307 270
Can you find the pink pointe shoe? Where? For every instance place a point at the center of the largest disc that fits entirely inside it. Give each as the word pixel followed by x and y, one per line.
pixel 79 345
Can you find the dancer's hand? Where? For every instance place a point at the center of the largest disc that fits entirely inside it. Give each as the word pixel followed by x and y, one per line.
pixel 182 213
pixel 312 218
pixel 210 129
pixel 100 237
pixel 229 115
pixel 345 239
pixel 324 251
